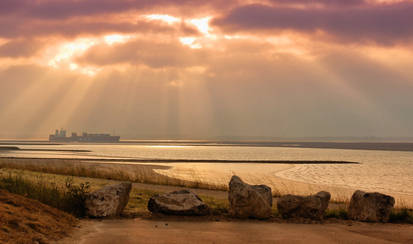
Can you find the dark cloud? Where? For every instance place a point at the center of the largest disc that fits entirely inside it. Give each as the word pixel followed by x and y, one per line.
pixel 25 18
pixel 11 6
pixel 345 20
pixel 73 28
pixel 62 9
pixel 20 48
pixel 382 23
pixel 340 3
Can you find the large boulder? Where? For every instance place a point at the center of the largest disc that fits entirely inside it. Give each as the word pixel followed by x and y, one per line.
pixel 182 202
pixel 371 207
pixel 108 201
pixel 249 201
pixel 313 207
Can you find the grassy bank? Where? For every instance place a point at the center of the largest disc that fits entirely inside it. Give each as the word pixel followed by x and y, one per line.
pixel 68 193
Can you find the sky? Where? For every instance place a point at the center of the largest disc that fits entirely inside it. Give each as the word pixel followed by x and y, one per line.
pixel 192 69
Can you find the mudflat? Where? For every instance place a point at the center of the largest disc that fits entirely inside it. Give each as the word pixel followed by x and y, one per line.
pixel 186 231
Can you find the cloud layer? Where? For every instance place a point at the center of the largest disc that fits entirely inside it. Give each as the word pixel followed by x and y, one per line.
pixel 206 69
pixel 382 23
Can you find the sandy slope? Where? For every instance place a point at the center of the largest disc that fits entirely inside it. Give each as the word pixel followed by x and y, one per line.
pixel 187 231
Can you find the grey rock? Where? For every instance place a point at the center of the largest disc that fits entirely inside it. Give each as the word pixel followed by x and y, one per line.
pixel 249 201
pixel 108 201
pixel 313 207
pixel 182 202
pixel 371 207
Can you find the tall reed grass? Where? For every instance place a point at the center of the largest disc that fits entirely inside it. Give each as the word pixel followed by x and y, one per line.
pixel 69 198
pixel 122 172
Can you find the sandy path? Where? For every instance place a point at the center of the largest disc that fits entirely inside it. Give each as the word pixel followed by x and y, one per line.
pixel 161 231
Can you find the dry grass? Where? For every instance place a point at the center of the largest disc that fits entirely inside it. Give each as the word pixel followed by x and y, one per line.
pixel 123 172
pixel 66 196
pixel 48 189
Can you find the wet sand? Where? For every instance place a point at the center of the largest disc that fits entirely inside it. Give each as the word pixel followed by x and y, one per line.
pixel 339 180
pixel 172 231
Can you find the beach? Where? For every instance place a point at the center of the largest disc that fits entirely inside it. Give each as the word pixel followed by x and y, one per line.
pixel 207 172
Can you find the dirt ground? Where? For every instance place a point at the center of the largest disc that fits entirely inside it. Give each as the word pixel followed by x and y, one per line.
pixel 172 231
pixel 23 220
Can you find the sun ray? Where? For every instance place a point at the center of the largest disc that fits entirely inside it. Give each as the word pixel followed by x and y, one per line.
pixel 68 105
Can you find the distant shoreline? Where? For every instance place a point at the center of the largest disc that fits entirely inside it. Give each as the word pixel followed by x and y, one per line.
pixel 9 148
pixel 125 160
pixel 383 146
pixel 13 148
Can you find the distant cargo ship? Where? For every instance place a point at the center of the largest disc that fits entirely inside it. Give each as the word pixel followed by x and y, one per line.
pixel 60 136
